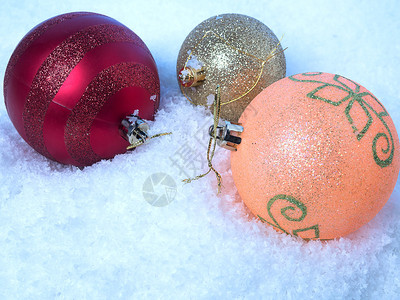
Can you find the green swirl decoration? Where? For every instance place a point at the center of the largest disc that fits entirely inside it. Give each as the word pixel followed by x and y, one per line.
pixel 354 96
pixel 293 205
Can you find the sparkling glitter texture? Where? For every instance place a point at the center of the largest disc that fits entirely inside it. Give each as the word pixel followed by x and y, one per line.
pixel 107 83
pixel 56 69
pixel 32 36
pixel 232 48
pixel 62 56
pixel 319 159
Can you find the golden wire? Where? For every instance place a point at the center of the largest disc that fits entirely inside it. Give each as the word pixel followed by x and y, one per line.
pixel 210 153
pixel 270 55
pixel 140 142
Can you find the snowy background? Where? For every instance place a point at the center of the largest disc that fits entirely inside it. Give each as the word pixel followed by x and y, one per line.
pixel 67 233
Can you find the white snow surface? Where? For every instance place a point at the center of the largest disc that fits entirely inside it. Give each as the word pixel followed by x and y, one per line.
pixel 67 233
pixel 194 63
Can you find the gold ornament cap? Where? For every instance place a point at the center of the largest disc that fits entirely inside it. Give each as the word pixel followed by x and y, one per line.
pixel 190 76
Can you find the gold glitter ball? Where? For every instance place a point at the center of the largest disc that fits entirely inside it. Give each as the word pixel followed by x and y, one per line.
pixel 239 53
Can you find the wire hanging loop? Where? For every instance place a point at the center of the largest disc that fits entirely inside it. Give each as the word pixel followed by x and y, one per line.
pixel 212 142
pixel 194 77
pixel 135 131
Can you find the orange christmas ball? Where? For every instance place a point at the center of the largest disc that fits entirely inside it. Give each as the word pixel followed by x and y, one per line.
pixel 319 156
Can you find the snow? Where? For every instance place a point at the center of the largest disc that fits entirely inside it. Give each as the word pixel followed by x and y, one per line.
pixel 67 233
pixel 194 63
pixel 210 99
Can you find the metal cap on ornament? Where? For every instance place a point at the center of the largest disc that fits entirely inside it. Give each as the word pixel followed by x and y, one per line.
pixel 191 76
pixel 134 130
pixel 227 135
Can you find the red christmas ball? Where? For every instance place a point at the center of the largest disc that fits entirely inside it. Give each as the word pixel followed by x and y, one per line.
pixel 72 80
